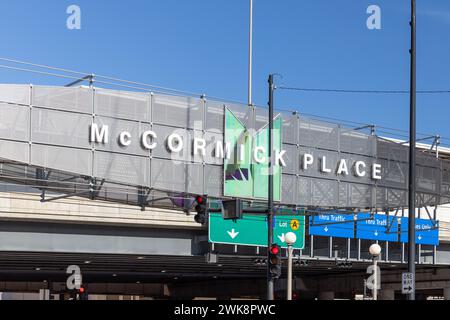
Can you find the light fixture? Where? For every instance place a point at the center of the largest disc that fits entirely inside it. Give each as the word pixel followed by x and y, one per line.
pixel 87 262
pixel 163 271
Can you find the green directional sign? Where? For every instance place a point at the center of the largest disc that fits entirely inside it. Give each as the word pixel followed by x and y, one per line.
pixel 252 230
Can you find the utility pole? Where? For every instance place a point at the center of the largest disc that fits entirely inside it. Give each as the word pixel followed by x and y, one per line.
pixel 250 56
pixel 270 280
pixel 412 156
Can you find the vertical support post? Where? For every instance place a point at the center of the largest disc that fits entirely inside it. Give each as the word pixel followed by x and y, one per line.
pixel 375 275
pixel 412 154
pixel 270 280
pixel 289 275
pixel 250 55
pixel 330 247
pixel 348 248
pixel 359 250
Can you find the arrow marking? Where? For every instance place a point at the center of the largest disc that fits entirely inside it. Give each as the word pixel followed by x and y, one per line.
pixel 376 233
pixel 325 229
pixel 233 234
pixel 282 238
pixel 419 237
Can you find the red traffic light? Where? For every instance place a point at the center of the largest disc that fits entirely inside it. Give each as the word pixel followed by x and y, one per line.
pixel 199 199
pixel 274 249
pixel 81 290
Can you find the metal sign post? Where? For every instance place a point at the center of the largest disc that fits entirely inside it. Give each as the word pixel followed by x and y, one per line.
pixel 412 156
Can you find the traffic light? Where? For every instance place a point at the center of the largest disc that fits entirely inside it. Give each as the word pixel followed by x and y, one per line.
pixel 232 209
pixel 82 294
pixel 202 209
pixel 275 261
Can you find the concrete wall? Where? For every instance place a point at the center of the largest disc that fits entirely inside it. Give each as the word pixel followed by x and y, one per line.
pixel 27 206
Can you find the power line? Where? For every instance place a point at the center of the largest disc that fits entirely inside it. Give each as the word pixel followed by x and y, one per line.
pixel 362 91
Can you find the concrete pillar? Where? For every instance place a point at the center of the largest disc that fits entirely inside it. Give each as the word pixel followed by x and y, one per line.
pixel 446 293
pixel 326 295
pixel 386 295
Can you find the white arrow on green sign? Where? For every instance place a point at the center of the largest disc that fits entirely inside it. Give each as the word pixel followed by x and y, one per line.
pixel 252 230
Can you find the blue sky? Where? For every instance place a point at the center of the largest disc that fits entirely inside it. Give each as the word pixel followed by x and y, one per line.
pixel 201 46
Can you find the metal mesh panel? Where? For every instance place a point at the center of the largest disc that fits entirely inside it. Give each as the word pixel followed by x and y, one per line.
pixel 211 140
pixel 357 142
pixel 426 159
pixel 391 198
pixel 60 128
pixel 124 193
pixel 183 112
pixel 115 127
pixel 214 116
pixel 303 191
pixel 290 128
pixel 168 175
pixel 60 158
pixel 15 151
pixel 214 180
pixel 353 195
pixel 291 158
pixel 318 134
pixel 195 178
pixel 288 189
pixel 14 122
pixel 428 179
pixel 126 105
pixel 445 187
pixel 70 99
pixel 324 192
pixel 392 151
pixel 394 174
pixel 19 94
pixel 122 168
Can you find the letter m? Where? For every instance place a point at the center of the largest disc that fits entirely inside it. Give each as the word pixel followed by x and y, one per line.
pixel 99 136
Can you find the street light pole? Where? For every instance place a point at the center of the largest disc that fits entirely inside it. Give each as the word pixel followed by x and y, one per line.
pixel 289 273
pixel 270 280
pixel 375 251
pixel 412 155
pixel 290 239
pixel 250 56
pixel 375 274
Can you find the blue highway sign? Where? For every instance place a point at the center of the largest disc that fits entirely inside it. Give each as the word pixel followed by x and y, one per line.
pixel 332 225
pixel 376 228
pixel 427 231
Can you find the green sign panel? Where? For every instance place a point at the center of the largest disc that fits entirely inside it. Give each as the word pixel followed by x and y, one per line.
pixel 245 177
pixel 252 230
